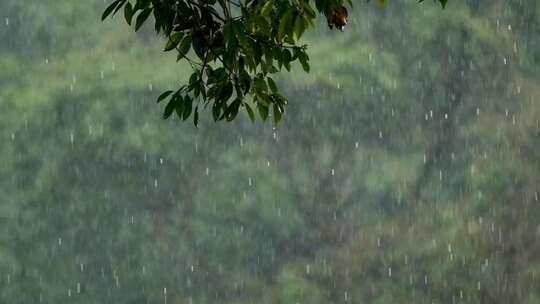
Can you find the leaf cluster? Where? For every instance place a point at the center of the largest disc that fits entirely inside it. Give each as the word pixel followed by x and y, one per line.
pixel 233 46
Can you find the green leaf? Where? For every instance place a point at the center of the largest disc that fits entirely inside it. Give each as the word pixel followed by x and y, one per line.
pixel 304 60
pixel 196 116
pixel 285 24
pixel 216 111
pixel 321 5
pixel 141 18
pixel 260 85
pixel 174 39
pixel 262 25
pixel 226 92
pixel 299 26
pixel 184 46
pixel 232 110
pixel 263 111
pixel 267 8
pixel 272 85
pixel 286 59
pixel 128 13
pixel 188 104
pixel 169 108
pixel 164 95
pixel 249 110
pixel 179 108
pixel 277 113
pixel 110 9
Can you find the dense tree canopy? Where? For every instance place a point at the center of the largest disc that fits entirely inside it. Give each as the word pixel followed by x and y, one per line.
pixel 233 46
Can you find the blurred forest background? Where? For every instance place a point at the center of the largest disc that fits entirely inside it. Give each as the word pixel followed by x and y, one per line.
pixel 406 169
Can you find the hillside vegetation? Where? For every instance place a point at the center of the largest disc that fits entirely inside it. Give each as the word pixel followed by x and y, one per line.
pixel 406 168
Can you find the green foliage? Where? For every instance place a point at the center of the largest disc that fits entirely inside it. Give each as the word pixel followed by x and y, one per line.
pixel 410 173
pixel 233 48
